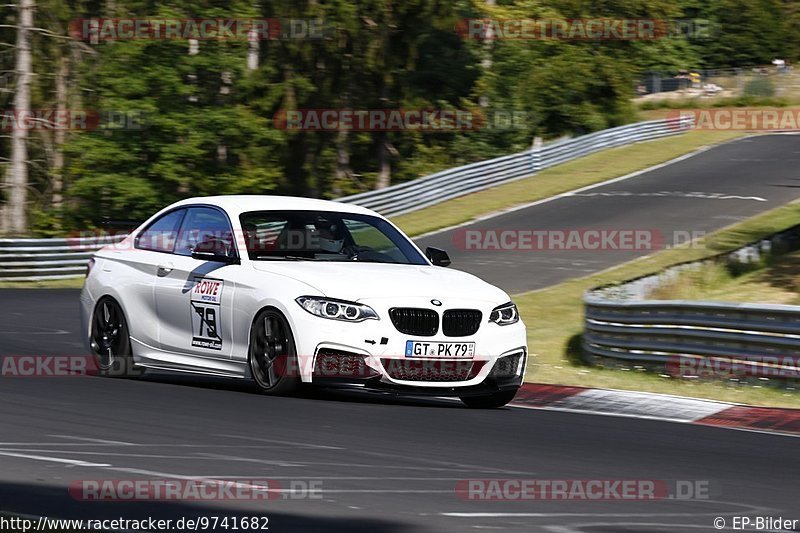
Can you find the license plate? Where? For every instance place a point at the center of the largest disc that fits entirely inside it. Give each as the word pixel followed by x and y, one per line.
pixel 453 350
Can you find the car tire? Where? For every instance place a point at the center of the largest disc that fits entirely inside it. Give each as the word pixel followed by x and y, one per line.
pixel 489 401
pixel 273 354
pixel 110 341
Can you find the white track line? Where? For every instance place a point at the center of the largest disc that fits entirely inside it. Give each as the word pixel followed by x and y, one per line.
pixel 575 191
pixel 61 460
pixel 286 442
pixel 96 441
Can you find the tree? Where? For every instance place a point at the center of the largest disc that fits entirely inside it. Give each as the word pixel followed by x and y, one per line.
pixel 748 32
pixel 189 133
pixel 15 218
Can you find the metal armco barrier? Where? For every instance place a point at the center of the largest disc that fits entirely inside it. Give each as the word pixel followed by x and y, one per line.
pixel 455 182
pixel 663 331
pixel 459 181
pixel 763 338
pixel 39 259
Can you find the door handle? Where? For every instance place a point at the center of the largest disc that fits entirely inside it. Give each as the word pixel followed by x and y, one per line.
pixel 164 269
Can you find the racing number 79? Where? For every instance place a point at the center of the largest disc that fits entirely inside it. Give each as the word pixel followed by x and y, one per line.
pixel 208 320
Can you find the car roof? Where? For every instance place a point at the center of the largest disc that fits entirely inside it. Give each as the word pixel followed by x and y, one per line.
pixel 235 205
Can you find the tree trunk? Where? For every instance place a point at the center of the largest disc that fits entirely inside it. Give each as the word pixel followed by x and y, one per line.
pixel 384 166
pixel 60 133
pixel 252 50
pixel 344 172
pixel 15 216
pixel 486 62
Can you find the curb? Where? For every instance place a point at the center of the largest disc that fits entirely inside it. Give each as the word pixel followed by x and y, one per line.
pixel 654 406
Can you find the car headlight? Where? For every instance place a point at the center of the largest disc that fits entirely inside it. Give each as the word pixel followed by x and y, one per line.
pixel 505 314
pixel 337 309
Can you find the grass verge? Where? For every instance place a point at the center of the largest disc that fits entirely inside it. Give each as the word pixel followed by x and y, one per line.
pixel 774 281
pixel 554 317
pixel 587 170
pixel 70 283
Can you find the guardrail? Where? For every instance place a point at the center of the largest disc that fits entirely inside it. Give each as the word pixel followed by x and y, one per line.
pixel 38 259
pixel 756 339
pixel 761 338
pixel 459 181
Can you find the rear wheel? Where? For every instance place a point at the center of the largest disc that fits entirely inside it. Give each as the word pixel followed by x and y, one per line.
pixel 273 354
pixel 110 341
pixel 489 401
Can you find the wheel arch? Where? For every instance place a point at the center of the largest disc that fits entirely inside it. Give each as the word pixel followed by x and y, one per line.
pixel 265 306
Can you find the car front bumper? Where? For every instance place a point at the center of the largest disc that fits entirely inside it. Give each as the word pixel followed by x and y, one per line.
pixel 373 353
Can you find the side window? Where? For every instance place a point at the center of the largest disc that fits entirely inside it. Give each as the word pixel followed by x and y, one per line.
pixel 161 234
pixel 205 229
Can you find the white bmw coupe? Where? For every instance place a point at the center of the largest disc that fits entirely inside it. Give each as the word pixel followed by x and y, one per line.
pixel 286 291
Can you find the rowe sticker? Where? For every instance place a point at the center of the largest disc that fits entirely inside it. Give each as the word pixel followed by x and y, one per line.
pixel 205 302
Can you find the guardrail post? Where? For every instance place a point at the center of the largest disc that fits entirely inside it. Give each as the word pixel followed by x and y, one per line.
pixel 536 155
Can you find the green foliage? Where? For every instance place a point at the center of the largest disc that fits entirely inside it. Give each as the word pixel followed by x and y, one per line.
pixel 205 121
pixel 749 32
pixel 702 103
pixel 759 87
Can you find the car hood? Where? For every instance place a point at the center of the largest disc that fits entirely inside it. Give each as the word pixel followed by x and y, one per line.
pixel 358 281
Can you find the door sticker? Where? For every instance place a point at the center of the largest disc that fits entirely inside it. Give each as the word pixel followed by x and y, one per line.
pixel 206 299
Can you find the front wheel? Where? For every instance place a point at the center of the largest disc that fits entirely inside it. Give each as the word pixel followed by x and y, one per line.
pixel 273 354
pixel 110 341
pixel 489 401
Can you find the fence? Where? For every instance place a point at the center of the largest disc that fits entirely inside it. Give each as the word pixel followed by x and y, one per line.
pixel 36 259
pixel 727 83
pixel 759 339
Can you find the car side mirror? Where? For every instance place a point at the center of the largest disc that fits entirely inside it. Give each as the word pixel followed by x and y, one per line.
pixel 217 250
pixel 437 257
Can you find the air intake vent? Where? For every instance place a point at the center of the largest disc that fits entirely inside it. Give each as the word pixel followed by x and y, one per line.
pixel 422 370
pixel 415 321
pixel 461 322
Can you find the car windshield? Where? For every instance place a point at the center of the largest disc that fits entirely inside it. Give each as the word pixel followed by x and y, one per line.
pixel 325 236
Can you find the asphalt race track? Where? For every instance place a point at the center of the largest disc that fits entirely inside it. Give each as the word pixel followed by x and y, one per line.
pixel 348 461
pixel 703 193
pixel 383 465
